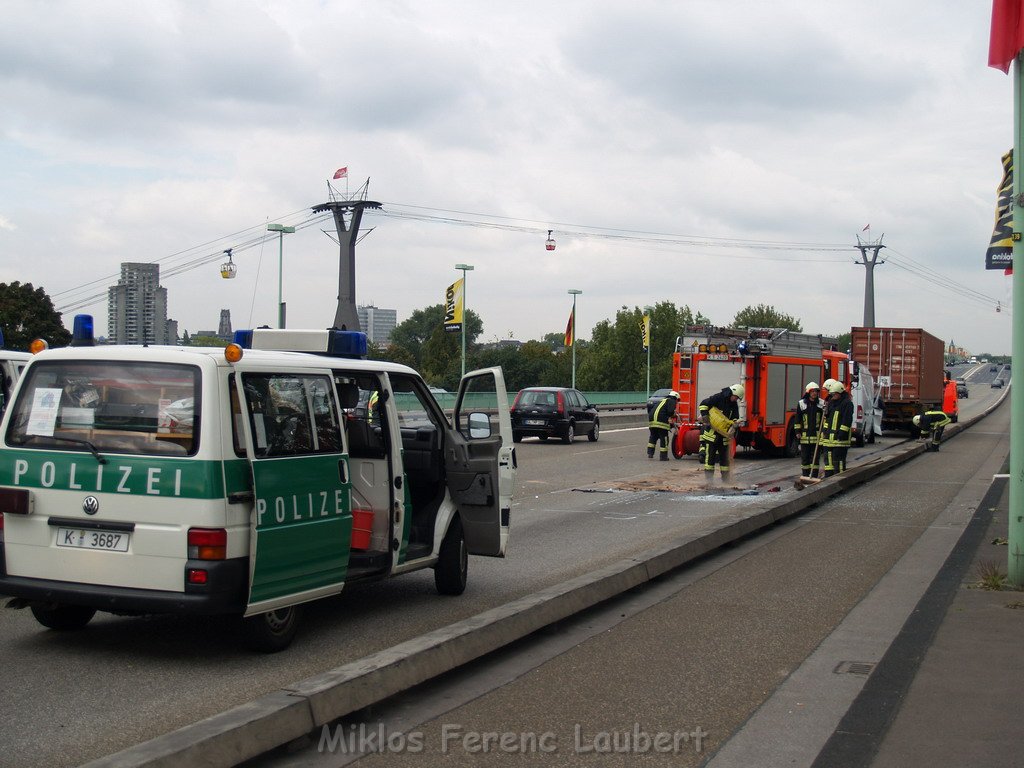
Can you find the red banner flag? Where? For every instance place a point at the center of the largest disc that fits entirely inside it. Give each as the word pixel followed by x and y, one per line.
pixel 341 173
pixel 1007 36
pixel 570 328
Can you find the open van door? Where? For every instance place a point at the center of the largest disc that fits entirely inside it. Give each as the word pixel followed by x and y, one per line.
pixel 480 461
pixel 301 525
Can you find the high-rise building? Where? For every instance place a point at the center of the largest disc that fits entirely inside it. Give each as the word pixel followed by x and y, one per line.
pixel 377 323
pixel 137 307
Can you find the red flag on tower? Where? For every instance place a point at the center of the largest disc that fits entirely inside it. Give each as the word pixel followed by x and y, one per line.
pixel 1007 36
pixel 341 173
pixel 570 328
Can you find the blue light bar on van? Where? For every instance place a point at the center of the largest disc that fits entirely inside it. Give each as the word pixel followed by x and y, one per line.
pixel 328 342
pixel 243 339
pixel 1 338
pixel 346 344
pixel 81 333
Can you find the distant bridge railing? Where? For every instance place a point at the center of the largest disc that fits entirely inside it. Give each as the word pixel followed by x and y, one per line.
pixel 606 401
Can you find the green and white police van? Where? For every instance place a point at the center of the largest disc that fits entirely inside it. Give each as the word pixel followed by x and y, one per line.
pixel 246 480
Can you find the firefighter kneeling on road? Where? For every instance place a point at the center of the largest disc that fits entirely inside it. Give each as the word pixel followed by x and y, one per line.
pixel 719 429
pixel 662 415
pixel 931 425
pixel 837 429
pixel 810 416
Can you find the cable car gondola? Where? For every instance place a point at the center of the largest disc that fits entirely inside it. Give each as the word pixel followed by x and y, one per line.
pixel 228 268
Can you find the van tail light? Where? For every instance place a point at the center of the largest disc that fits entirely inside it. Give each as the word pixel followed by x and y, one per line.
pixel 207 544
pixel 860 412
pixel 561 404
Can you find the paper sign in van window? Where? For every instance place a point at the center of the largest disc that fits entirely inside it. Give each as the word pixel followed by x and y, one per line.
pixel 43 418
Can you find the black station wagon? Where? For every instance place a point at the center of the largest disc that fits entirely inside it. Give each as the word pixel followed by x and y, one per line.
pixel 562 412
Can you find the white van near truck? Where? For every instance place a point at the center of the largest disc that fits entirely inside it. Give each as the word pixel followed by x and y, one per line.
pixel 244 481
pixel 867 408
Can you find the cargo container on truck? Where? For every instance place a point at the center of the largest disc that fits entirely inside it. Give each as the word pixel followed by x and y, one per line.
pixel 907 365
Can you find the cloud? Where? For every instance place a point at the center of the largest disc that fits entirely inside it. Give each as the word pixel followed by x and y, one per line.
pixel 167 132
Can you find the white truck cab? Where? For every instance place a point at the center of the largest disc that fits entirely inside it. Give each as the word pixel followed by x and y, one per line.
pixel 242 481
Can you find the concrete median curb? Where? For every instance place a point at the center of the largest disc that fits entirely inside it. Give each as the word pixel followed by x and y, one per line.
pixel 277 718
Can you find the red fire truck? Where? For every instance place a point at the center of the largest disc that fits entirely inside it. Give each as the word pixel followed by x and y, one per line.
pixel 773 364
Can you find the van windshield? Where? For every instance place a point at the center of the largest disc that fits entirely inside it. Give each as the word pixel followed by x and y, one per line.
pixel 110 407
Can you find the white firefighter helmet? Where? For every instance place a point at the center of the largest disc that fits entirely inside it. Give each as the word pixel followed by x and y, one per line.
pixel 835 387
pixel 811 385
pixel 737 389
pixel 917 421
pixel 674 394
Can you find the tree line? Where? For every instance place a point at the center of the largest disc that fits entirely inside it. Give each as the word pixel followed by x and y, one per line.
pixel 612 360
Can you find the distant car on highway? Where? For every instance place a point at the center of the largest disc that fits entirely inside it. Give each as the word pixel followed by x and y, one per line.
pixel 993 368
pixel 997 383
pixel 561 412
pixel 961 388
pixel 656 397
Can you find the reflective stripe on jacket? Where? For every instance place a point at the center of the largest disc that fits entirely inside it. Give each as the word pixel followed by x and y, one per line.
pixel 838 423
pixel 934 420
pixel 809 416
pixel 662 413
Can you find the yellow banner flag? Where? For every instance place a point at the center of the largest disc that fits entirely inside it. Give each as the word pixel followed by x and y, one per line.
pixel 1000 249
pixel 645 330
pixel 453 307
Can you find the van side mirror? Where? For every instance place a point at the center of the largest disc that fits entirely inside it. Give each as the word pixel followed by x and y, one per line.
pixel 479 426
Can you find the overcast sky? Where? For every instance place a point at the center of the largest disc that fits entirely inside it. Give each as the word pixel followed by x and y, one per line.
pixel 168 131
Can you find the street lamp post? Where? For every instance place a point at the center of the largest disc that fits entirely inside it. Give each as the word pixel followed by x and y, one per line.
pixel 648 311
pixel 574 294
pixel 281 230
pixel 465 311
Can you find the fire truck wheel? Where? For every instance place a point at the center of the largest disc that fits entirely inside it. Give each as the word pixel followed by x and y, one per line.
pixel 792 447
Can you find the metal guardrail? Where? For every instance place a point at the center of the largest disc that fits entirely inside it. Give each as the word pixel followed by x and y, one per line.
pixel 606 401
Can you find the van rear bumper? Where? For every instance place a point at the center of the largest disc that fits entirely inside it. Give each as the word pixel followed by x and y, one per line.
pixel 224 592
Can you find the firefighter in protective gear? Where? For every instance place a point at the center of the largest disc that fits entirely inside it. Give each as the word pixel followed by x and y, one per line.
pixel 807 424
pixel 837 429
pixel 716 444
pixel 662 416
pixel 931 425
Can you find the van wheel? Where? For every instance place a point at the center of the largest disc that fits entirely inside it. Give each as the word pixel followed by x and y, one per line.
pixel 452 567
pixel 272 631
pixel 791 449
pixel 595 433
pixel 57 616
pixel 570 434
